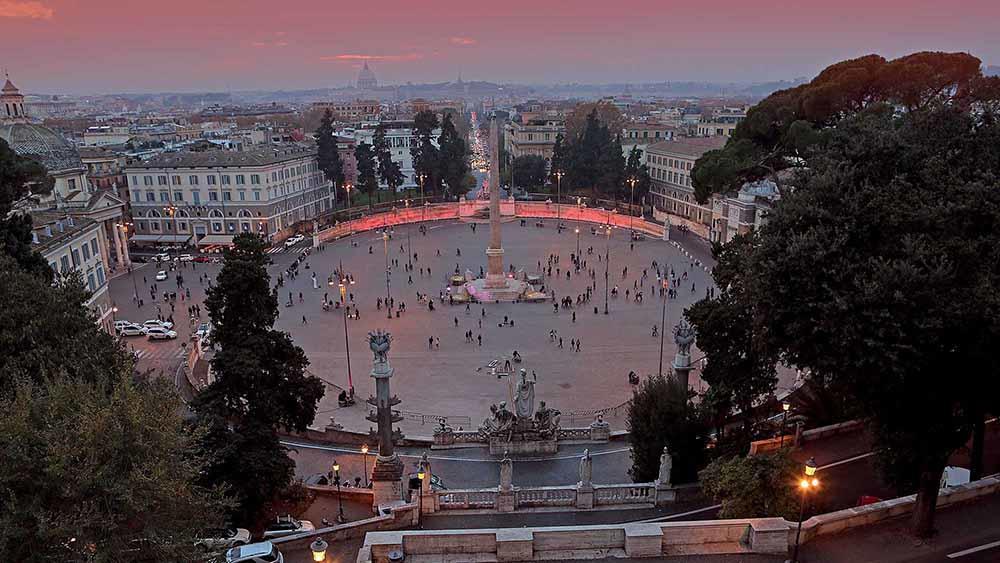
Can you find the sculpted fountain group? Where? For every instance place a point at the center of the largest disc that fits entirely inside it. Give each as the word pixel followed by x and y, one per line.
pixel 523 430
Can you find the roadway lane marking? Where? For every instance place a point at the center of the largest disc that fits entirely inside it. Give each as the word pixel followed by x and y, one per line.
pixel 449 458
pixel 972 550
pixel 843 461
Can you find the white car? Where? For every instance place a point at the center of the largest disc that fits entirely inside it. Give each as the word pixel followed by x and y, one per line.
pixel 292 241
pixel 263 552
pixel 160 334
pixel 153 323
pixel 286 526
pixel 120 324
pixel 224 538
pixel 161 257
pixel 161 275
pixel 132 329
pixel 185 258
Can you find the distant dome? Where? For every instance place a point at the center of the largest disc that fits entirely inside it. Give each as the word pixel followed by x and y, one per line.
pixel 43 145
pixel 366 79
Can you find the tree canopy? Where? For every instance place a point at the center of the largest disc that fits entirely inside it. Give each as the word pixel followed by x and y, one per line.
pixel 367 172
pixel 530 171
pixel 661 414
pixel 452 160
pixel 425 154
pixel 327 155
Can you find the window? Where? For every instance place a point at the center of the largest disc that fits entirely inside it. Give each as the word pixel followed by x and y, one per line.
pixel 140 226
pixel 216 227
pixel 135 180
pixel 90 282
pixel 225 179
pixel 150 196
pixel 64 263
pixel 227 196
pixel 255 178
pixel 175 180
pixel 240 179
pixel 193 180
pixel 76 258
pixel 256 195
pixel 178 196
pixel 196 196
pixel 211 180
pixel 100 274
pixel 155 225
pixel 213 196
pixel 72 184
pixel 161 180
pixel 165 196
pixel 93 246
pixel 182 226
pixel 243 195
pixel 86 252
pixel 147 180
pixel 136 196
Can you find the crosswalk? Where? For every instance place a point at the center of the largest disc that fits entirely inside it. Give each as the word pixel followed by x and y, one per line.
pixel 159 352
pixel 285 249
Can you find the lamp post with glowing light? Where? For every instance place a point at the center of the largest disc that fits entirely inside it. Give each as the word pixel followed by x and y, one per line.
pixel 420 497
pixel 347 190
pixel 809 481
pixel 631 182
pixel 342 286
pixel 785 407
pixel 385 244
pixel 559 175
pixel 340 499
pixel 409 249
pixel 607 259
pixel 364 460
pixel 578 249
pixel 318 549
pixel 423 202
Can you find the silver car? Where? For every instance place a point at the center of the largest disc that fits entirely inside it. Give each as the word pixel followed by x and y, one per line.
pixel 286 526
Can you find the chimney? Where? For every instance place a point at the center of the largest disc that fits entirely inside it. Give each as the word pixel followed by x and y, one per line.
pixel 59 225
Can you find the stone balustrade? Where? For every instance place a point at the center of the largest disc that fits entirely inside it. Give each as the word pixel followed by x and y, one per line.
pixel 638 493
pixel 544 497
pixel 467 499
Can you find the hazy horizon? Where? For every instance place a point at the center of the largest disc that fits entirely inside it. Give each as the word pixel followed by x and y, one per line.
pixel 109 46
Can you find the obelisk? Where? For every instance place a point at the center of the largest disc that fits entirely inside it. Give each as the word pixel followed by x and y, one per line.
pixel 494 252
pixel 387 473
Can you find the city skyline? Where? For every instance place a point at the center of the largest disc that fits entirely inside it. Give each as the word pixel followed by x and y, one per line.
pixel 61 46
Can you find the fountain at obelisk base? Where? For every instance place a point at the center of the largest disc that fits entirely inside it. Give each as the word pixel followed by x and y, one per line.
pixel 496 286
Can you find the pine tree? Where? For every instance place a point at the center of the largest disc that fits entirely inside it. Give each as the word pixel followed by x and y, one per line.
pixel 367 171
pixel 425 155
pixel 452 163
pixel 383 154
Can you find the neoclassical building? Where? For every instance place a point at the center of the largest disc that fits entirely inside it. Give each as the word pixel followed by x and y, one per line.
pixel 72 193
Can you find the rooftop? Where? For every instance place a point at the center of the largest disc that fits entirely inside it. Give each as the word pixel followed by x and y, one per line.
pixel 224 158
pixel 62 228
pixel 688 146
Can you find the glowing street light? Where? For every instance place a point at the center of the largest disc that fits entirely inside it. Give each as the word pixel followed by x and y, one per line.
pixel 318 549
pixel 808 482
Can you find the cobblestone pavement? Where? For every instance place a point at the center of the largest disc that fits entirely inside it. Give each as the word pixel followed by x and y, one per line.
pixel 451 378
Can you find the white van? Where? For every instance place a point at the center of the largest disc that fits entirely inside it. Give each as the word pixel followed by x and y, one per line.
pixel 263 552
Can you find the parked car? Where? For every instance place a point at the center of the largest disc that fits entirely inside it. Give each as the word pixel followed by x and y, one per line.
pixel 203 258
pixel 132 329
pixel 262 552
pixel 286 526
pixel 204 329
pixel 292 241
pixel 153 323
pixel 223 538
pixel 161 275
pixel 162 257
pixel 121 323
pixel 185 258
pixel 160 334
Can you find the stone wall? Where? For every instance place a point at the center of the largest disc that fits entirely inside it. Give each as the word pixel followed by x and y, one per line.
pixel 771 444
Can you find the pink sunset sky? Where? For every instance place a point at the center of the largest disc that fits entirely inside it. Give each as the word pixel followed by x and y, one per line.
pixel 91 46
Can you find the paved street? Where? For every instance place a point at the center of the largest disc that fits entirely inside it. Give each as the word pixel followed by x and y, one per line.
pixel 451 380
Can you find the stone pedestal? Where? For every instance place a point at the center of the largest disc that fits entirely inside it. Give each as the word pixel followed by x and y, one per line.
pixel 387 480
pixel 505 501
pixel 643 540
pixel 515 544
pixel 584 496
pixel 527 446
pixel 600 431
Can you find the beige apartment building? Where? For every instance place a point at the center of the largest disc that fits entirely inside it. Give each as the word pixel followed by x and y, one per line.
pixel 670 164
pixel 533 137
pixel 352 111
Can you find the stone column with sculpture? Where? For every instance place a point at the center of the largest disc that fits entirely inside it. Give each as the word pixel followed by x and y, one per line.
pixel 505 493
pixel 585 487
pixel 387 472
pixel 665 492
pixel 684 336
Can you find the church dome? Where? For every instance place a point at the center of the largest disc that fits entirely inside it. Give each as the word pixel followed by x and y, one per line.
pixel 43 145
pixel 366 78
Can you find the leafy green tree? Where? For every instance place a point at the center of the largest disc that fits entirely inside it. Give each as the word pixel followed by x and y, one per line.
pixel 530 171
pixel 367 172
pixel 452 162
pixel 740 370
pixel 425 155
pixel 611 180
pixel 757 486
pixel 872 269
pixel 261 385
pixel 588 158
pixel 660 415
pixel 327 156
pixel 388 170
pixel 20 176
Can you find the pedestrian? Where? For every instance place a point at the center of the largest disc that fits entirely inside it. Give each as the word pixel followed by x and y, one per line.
pixel 560 342
pixel 456 322
pixel 437 342
pixel 480 338
pixel 430 342
pixel 304 321
pixel 574 316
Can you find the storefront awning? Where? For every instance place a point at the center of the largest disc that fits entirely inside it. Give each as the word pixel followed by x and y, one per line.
pixel 161 238
pixel 209 240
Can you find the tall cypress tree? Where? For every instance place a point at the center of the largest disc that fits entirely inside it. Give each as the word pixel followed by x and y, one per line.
pixel 425 154
pixel 327 155
pixel 367 174
pixel 452 163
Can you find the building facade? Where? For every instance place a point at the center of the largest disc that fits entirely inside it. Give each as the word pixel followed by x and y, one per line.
pixel 71 244
pixel 353 111
pixel 399 135
pixel 747 210
pixel 207 197
pixel 534 137
pixel 670 164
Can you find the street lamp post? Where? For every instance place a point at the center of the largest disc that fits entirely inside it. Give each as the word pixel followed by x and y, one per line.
pixel 172 212
pixel 423 202
pixel 385 244
pixel 364 461
pixel 785 406
pixel 347 190
pixel 559 175
pixel 578 249
pixel 663 324
pixel 809 481
pixel 409 249
pixel 340 499
pixel 135 287
pixel 318 549
pixel 631 196
pixel 607 257
pixel 420 496
pixel 342 286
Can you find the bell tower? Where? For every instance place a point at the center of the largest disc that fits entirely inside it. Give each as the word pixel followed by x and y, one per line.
pixel 11 103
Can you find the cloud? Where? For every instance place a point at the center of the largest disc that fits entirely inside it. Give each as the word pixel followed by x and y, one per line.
pixel 463 41
pixel 351 58
pixel 28 10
